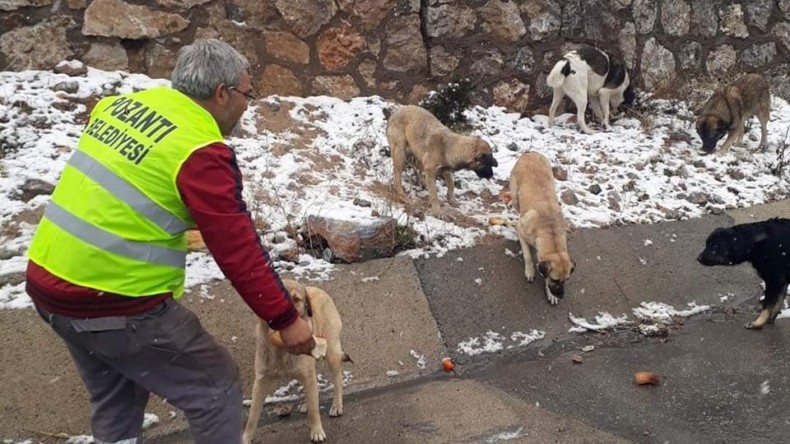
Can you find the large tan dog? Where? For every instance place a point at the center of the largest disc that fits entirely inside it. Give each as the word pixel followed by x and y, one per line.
pixel 540 223
pixel 437 151
pixel 272 361
pixel 729 108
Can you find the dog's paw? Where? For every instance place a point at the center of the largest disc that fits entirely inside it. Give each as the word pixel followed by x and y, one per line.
pixel 753 326
pixel 317 434
pixel 303 407
pixel 336 410
pixel 246 439
pixel 529 274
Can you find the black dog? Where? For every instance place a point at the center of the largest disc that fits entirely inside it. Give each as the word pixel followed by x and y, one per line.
pixel 766 245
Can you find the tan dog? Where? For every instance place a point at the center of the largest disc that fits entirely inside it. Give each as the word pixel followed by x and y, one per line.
pixel 540 223
pixel 437 151
pixel 729 108
pixel 272 361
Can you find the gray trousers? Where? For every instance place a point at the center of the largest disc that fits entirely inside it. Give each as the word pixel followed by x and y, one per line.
pixel 165 351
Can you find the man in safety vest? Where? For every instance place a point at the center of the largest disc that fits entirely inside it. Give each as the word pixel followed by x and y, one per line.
pixel 107 260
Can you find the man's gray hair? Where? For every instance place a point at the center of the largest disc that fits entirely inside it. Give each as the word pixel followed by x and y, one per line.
pixel 204 64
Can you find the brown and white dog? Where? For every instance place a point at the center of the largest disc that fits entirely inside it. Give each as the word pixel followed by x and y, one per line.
pixel 272 362
pixel 436 150
pixel 540 223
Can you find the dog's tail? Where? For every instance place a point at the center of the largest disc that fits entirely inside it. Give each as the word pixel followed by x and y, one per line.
pixel 558 74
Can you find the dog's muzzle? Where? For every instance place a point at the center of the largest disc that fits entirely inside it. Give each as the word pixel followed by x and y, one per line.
pixel 556 288
pixel 486 170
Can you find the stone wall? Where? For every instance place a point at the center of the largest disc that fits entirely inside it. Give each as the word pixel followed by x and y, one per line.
pixel 400 49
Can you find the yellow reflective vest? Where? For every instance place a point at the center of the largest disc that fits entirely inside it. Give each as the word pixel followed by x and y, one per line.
pixel 116 221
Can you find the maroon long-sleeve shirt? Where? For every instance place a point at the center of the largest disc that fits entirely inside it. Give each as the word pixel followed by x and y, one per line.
pixel 211 187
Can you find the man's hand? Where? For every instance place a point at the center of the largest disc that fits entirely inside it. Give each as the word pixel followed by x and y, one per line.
pixel 298 338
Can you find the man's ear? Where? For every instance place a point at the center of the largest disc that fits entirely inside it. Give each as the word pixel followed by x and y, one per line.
pixel 544 267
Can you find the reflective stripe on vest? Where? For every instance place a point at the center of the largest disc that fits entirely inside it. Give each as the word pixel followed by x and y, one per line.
pixel 107 241
pixel 121 189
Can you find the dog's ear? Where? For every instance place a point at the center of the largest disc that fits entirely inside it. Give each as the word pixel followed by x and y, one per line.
pixel 544 267
pixel 308 307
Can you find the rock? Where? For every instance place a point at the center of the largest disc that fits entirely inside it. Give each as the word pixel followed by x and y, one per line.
pixel 658 64
pixel 449 21
pixel 41 46
pixel 572 25
pixel 361 202
pixel 523 60
pixel 405 48
pixel 568 197
pixel 758 55
pixel 698 198
pixel 77 4
pixel 782 32
pixel 644 13
pixel 545 19
pixel 559 173
pixel 73 68
pixel 278 80
pixel 337 46
pixel 615 201
pixel 355 241
pixel 342 87
pixel 620 4
pixel 512 95
pixel 577 359
pixel 595 189
pixel 286 46
pixel 367 69
pixel 689 55
pixel 675 16
pixel 286 249
pixel 442 62
pixel 370 12
pixel 12 278
pixel 502 21
pixel 779 80
pixel 784 6
pixel 627 38
pixel 721 60
pixel 110 18
pixel 588 348
pixel 486 65
pixel 417 94
pixel 599 22
pixel 305 17
pixel 704 21
pixel 35 187
pixel 758 12
pixel 159 61
pixel 107 57
pixel 732 21
pixel 70 87
pixel 244 39
pixel 13 5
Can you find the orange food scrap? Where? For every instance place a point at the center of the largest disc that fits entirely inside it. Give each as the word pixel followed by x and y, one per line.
pixel 647 378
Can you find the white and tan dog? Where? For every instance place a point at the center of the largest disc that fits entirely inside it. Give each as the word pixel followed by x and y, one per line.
pixel 272 362
pixel 540 223
pixel 590 73
pixel 436 150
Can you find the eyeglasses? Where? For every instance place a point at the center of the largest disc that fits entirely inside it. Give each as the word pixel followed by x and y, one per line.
pixel 250 98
